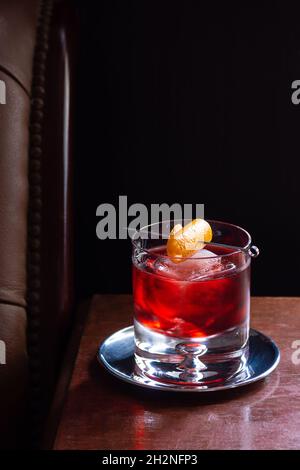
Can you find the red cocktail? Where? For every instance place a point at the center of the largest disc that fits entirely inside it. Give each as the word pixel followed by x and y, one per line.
pixel 191 306
pixel 197 298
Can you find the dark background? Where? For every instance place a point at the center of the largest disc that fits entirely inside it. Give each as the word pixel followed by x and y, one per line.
pixel 184 102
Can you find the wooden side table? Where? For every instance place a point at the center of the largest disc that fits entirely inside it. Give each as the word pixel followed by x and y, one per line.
pixel 101 412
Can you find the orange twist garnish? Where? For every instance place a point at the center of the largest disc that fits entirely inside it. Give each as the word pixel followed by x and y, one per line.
pixel 185 241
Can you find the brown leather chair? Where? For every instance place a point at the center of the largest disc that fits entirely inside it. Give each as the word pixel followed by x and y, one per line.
pixel 36 250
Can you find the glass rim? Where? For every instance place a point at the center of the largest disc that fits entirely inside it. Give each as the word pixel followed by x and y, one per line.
pixel 236 249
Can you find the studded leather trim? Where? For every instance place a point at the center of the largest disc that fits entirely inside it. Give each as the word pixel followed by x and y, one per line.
pixel 35 219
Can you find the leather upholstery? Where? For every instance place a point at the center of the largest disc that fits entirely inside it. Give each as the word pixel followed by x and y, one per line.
pixel 14 138
pixel 18 22
pixel 50 246
pixel 35 208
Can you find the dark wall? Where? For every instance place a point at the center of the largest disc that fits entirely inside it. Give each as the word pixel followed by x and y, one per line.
pixel 181 102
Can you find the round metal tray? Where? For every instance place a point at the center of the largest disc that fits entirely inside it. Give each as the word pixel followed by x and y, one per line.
pixel 116 353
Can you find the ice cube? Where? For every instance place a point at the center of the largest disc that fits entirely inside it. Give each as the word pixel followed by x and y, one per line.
pixel 202 264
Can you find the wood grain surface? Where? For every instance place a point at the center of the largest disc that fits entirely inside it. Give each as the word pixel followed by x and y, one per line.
pixel 101 412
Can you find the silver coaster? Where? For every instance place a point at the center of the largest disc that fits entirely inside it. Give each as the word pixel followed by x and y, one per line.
pixel 116 353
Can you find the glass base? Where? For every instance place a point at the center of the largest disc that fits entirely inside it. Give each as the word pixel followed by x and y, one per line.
pixel 188 361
